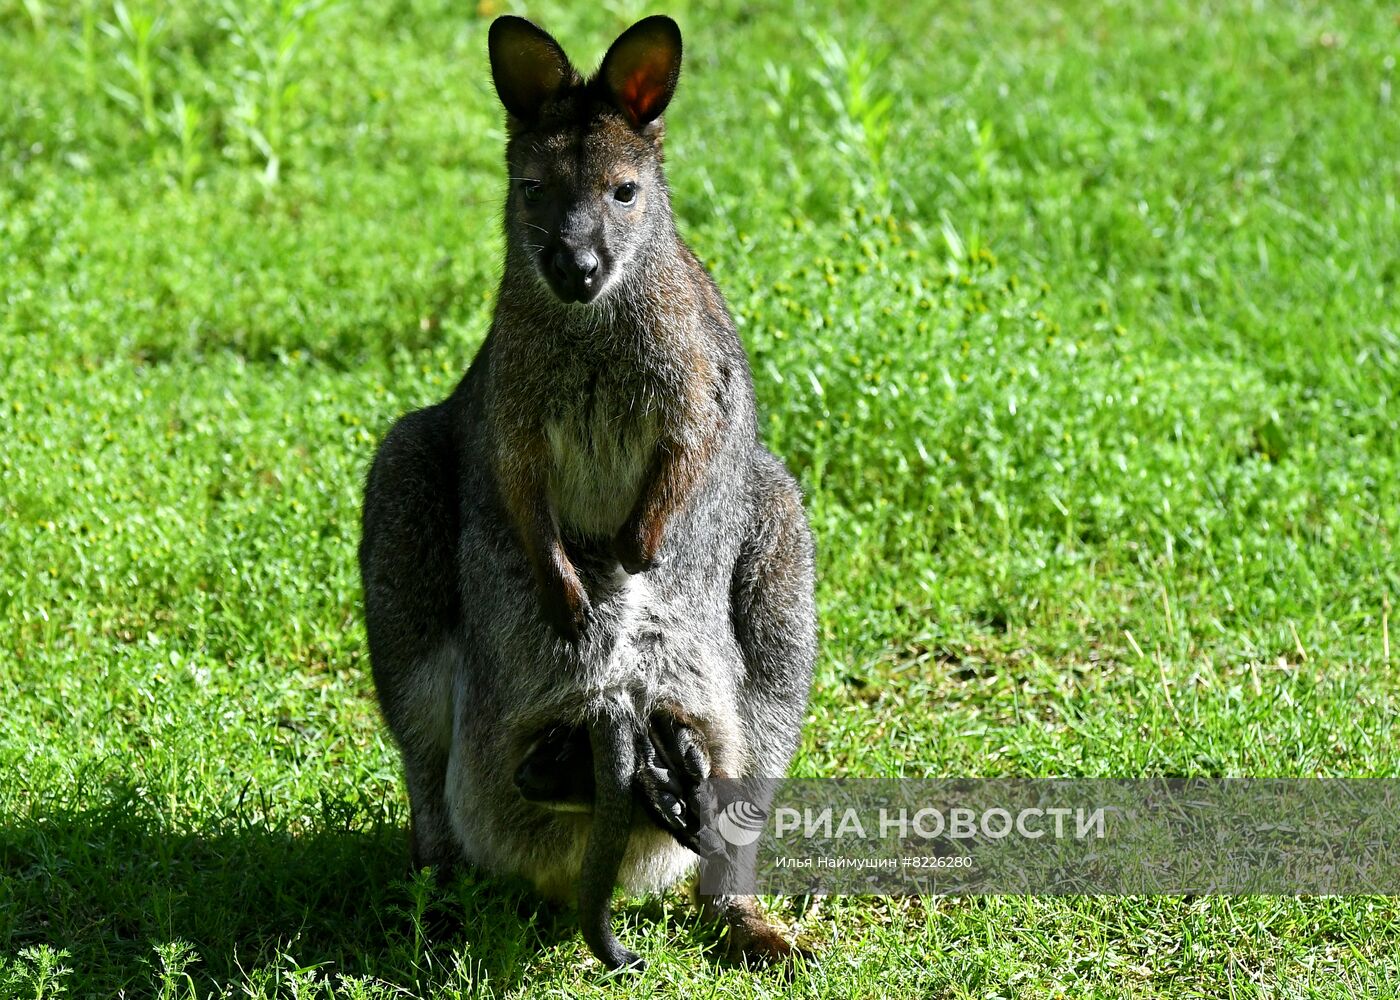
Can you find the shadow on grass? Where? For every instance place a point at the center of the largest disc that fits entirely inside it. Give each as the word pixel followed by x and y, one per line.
pixel 109 884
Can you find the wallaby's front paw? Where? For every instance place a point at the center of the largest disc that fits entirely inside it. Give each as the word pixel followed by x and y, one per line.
pixel 635 549
pixel 567 609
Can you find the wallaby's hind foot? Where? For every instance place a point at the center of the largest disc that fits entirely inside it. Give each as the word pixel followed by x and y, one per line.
pixel 751 938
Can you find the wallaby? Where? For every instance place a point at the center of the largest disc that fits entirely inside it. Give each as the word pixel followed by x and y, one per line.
pixel 587 585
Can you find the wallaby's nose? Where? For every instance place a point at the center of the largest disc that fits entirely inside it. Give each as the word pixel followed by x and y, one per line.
pixel 578 269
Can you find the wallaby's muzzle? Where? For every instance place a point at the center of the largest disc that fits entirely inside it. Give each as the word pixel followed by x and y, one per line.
pixel 575 275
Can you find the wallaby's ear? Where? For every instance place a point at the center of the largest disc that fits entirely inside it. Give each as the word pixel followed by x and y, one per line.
pixel 527 65
pixel 641 68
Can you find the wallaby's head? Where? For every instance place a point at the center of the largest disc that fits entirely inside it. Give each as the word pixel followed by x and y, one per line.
pixel 586 188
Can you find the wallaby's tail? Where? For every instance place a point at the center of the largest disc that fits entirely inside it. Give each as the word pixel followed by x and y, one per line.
pixel 614 762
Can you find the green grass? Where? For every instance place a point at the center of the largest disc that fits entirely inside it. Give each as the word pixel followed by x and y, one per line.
pixel 1077 321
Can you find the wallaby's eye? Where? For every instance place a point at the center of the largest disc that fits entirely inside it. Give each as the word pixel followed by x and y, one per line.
pixel 534 191
pixel 625 193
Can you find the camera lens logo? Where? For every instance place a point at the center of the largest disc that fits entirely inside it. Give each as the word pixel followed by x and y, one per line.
pixel 740 823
